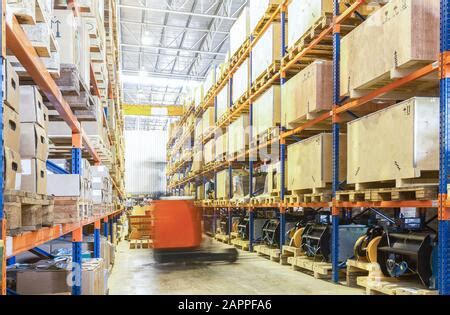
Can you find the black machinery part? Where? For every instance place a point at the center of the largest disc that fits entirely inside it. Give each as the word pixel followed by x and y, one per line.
pixel 244 228
pixel 372 232
pixel 316 240
pixel 271 232
pixel 195 255
pixel 406 254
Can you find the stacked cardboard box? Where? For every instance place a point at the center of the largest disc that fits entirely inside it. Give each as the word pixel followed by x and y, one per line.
pixel 35 19
pixel 101 185
pixel 72 185
pixel 11 128
pixel 33 140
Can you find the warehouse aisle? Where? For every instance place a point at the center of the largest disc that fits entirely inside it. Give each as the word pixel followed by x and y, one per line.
pixel 135 273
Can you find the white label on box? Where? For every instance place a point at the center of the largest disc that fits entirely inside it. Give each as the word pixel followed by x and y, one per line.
pixel 26 167
pixel 9 246
pixel 18 181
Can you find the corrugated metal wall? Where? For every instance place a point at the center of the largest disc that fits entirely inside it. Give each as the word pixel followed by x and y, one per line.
pixel 145 161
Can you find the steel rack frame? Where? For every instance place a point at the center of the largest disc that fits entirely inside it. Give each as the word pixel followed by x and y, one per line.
pixel 334 30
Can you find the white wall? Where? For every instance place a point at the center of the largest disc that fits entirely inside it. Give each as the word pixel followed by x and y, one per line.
pixel 145 161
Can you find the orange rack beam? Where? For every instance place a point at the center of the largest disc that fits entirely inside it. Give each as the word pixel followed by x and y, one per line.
pixel 20 45
pixel 29 240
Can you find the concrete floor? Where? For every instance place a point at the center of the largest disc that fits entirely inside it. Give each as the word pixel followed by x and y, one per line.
pixel 136 273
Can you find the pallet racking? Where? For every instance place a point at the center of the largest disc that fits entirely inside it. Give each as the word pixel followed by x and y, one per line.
pixel 14 38
pixel 441 67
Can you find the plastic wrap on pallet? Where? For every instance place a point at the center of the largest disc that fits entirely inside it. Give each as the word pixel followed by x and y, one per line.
pixel 240 185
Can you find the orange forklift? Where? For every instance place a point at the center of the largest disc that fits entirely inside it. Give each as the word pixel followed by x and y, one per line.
pixel 177 234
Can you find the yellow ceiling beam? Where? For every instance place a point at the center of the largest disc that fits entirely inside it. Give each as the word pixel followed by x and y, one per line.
pixel 152 110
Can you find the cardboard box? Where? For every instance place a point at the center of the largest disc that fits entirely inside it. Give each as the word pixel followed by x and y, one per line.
pixel 240 31
pixel 66 29
pixel 310 162
pixel 33 141
pixel 34 176
pixel 39 36
pixel 39 282
pixel 11 129
pixel 12 178
pixel 198 132
pixel 64 185
pixel 32 108
pixel 11 86
pixel 59 129
pixel 399 143
pixel 241 81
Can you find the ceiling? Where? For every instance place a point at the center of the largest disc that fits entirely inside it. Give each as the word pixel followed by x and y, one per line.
pixel 168 46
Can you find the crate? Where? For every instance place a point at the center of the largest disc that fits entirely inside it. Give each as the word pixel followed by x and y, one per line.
pixel 310 164
pixel 71 210
pixel 272 254
pixel 415 44
pixel 320 270
pixel 241 244
pixel 26 211
pixel 377 159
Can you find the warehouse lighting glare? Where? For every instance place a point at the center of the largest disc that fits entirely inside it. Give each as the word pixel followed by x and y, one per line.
pixel 146 39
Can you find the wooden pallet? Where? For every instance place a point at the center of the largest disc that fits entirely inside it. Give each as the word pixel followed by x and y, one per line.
pixel 241 244
pixel 370 276
pixel 272 7
pixel 26 211
pixel 289 251
pixel 222 238
pixel 392 286
pixel 357 268
pixel 320 270
pixel 70 81
pixel 309 196
pixel 236 57
pixel 71 209
pixel 268 252
pixel 141 244
pixel 264 77
pixel 324 49
pixel 389 194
